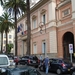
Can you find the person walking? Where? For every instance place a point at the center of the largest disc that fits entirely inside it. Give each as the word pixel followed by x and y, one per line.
pixel 46 61
pixel 40 59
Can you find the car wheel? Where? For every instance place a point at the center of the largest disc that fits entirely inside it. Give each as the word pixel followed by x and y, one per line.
pixel 41 68
pixel 73 73
pixel 59 71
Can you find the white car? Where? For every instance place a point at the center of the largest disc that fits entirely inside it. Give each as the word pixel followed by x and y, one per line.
pixel 4 60
pixel 4 63
pixel 12 63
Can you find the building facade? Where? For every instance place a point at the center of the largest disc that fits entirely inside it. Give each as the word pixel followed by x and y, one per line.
pixel 10 40
pixel 52 28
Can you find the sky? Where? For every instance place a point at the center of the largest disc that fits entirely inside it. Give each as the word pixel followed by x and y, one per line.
pixel 1 10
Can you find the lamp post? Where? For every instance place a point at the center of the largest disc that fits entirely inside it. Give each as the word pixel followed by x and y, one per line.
pixel 41 25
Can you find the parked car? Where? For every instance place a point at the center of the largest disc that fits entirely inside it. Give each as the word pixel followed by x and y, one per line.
pixel 6 70
pixel 29 60
pixel 12 63
pixel 58 65
pixel 20 71
pixel 72 71
pixel 16 59
pixel 4 61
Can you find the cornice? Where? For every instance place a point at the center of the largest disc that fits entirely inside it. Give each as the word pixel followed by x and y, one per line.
pixel 38 5
pixel 67 23
pixel 63 3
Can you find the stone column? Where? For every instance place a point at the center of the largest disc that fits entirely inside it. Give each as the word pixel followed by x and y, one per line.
pixel 52 25
pixel 22 47
pixel 73 18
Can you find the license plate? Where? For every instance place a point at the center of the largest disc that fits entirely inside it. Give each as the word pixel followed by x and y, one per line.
pixel 34 61
pixel 68 69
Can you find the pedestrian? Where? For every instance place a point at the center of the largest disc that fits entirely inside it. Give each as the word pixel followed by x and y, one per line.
pixel 40 59
pixel 46 61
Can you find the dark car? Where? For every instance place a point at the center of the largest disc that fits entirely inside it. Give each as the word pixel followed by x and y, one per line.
pixel 72 71
pixel 19 71
pixel 16 59
pixel 29 60
pixel 58 65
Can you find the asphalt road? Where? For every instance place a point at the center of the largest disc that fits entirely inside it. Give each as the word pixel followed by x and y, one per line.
pixel 50 73
pixel 43 73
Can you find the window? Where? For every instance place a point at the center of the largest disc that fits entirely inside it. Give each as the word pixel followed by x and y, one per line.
pixel 34 23
pixel 35 48
pixel 65 12
pixel 10 42
pixel 4 41
pixel 10 36
pixel 43 47
pixel 44 18
pixel 4 36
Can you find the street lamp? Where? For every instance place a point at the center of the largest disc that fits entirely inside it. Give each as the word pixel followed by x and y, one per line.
pixel 41 25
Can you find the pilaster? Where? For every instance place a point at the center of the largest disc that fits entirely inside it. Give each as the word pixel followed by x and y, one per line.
pixel 73 19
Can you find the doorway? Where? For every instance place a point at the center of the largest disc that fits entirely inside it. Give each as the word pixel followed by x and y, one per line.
pixel 68 38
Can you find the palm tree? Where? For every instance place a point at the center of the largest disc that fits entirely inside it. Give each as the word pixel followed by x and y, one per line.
pixel 2 2
pixel 1 31
pixel 7 23
pixel 16 7
pixel 28 28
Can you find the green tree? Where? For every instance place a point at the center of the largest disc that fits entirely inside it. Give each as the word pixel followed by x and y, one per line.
pixel 9 47
pixel 2 2
pixel 15 7
pixel 6 21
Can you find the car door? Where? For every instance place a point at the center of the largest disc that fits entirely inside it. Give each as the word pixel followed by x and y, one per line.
pixel 54 65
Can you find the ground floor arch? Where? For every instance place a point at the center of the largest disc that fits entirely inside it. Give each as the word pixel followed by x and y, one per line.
pixel 68 38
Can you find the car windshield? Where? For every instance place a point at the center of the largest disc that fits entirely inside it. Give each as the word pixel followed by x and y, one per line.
pixel 66 61
pixel 3 61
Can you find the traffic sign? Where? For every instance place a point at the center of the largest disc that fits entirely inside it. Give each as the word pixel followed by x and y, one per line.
pixel 70 48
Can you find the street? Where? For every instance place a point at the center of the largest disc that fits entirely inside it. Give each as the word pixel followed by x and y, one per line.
pixel 50 73
pixel 43 73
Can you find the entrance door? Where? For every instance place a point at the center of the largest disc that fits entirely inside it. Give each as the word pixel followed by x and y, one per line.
pixel 68 38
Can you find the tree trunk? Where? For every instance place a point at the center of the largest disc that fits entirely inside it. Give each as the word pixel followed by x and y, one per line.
pixel 15 30
pixel 1 42
pixel 6 42
pixel 28 29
